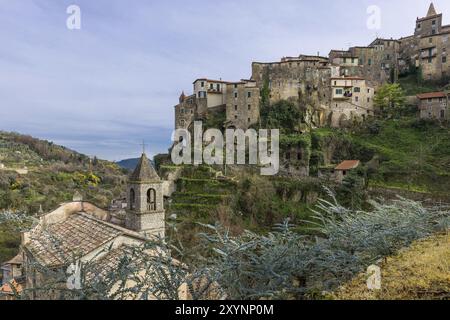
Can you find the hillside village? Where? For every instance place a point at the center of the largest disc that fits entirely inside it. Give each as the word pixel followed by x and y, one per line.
pixel 337 146
pixel 334 89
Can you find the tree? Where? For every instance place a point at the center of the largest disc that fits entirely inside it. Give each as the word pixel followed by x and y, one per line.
pixel 389 99
pixel 283 115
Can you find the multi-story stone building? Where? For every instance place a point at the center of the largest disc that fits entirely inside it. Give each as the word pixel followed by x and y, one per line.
pixel 377 63
pixel 238 101
pixel 242 104
pixel 352 100
pixel 434 105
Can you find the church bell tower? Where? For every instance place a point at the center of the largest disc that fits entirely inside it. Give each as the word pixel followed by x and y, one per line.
pixel 145 211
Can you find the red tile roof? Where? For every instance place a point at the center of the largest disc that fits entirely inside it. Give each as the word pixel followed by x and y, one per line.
pixel 431 95
pixel 7 288
pixel 348 165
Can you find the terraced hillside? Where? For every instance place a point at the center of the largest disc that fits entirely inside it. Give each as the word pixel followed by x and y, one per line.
pixel 200 198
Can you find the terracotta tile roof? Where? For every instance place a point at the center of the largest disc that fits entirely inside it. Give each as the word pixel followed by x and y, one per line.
pixel 7 288
pixel 211 80
pixel 123 256
pixel 348 165
pixel 431 95
pixel 78 235
pixel 347 78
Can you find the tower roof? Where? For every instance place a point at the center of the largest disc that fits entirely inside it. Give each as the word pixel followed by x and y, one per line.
pixel 431 10
pixel 144 171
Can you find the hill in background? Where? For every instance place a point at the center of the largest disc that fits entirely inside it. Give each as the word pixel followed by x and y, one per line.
pixel 128 164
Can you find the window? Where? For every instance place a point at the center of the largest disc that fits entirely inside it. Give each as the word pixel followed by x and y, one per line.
pixel 249 120
pixel 235 117
pixel 430 60
pixel 249 94
pixel 202 84
pixel 368 100
pixel 211 86
pixel 182 111
pixel 218 87
pixel 433 22
pixel 356 89
pixel 353 60
pixel 430 100
pixel 249 107
pixel 335 83
pixel 444 59
pixel 430 40
pixel 370 62
pixel 357 99
pixel 151 200
pixel 440 99
pixel 433 31
pixel 339 91
pixel 368 90
pixel 235 86
pixel 345 60
pixel 442 114
pixel 388 57
pixel 419 26
pixel 235 94
pixel 235 107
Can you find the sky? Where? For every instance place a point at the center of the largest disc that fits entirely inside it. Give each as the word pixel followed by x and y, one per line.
pixel 103 89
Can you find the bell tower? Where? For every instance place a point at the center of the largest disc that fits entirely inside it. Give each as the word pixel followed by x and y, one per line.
pixel 145 211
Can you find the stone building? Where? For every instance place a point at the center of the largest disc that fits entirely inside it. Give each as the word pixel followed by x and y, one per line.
pixel 242 104
pixel 145 213
pixel 385 59
pixel 238 102
pixel 434 105
pixel 342 170
pixel 304 80
pixel 377 63
pixel 185 111
pixel 352 100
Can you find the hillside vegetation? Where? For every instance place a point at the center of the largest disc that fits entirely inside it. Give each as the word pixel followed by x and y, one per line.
pixel 405 153
pixel 421 271
pixel 54 174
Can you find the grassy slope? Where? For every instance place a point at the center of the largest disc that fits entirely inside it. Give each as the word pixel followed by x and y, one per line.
pixel 414 156
pixel 419 272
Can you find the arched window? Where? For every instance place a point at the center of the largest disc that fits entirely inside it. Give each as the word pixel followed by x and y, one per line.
pixel 151 200
pixel 132 199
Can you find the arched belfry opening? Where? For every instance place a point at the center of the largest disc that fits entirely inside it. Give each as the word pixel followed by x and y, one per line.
pixel 151 200
pixel 132 199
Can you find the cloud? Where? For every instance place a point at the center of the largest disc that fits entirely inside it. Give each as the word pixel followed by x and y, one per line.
pixel 104 88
